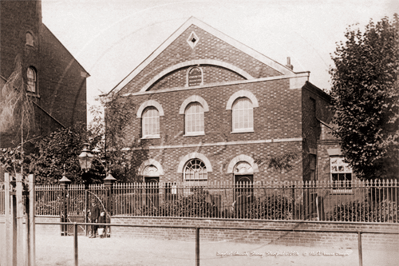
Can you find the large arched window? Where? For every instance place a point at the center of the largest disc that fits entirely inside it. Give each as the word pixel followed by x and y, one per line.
pixel 195 170
pixel 242 112
pixel 194 119
pixel 31 78
pixel 150 122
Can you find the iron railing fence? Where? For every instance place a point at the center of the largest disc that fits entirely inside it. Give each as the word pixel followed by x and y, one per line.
pixel 356 201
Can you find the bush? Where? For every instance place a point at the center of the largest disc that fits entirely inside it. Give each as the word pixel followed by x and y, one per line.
pixel 363 211
pixel 276 207
pixel 199 204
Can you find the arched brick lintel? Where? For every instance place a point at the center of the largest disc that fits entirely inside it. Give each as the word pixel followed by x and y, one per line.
pixel 193 155
pixel 151 162
pixel 242 93
pixel 242 158
pixel 193 98
pixel 149 103
pixel 229 66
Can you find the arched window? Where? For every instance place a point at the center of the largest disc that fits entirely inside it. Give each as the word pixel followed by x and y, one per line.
pixel 31 79
pixel 194 119
pixel 194 77
pixel 195 170
pixel 150 122
pixel 29 39
pixel 242 112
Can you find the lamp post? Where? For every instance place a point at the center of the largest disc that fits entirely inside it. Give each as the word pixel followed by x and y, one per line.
pixel 85 161
pixel 63 182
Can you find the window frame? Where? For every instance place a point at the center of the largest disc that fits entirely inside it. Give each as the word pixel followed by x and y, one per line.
pixel 346 170
pixel 234 116
pixel 188 76
pixel 201 121
pixel 29 39
pixel 201 164
pixel 29 81
pixel 143 124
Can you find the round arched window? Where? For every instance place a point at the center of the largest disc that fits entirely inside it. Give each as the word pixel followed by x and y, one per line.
pixel 31 78
pixel 195 169
pixel 150 122
pixel 243 117
pixel 243 168
pixel 151 170
pixel 194 77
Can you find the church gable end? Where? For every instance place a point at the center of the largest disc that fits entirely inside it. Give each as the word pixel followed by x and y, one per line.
pixel 194 46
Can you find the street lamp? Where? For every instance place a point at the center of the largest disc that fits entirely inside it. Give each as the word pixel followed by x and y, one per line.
pixel 85 158
pixel 85 161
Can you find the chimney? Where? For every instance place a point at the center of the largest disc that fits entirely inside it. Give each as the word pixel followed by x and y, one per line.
pixel 289 63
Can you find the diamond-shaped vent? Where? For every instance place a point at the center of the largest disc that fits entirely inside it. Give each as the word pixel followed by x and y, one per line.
pixel 192 39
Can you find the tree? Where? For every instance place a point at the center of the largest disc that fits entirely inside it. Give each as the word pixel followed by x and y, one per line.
pixel 365 98
pixel 49 156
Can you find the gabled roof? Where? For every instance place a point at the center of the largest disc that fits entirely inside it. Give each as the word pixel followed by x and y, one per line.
pixel 194 21
pixel 44 27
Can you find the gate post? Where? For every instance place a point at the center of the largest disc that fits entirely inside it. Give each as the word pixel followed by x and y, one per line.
pixel 108 181
pixel 32 212
pixel 9 212
pixel 64 228
pixel 20 216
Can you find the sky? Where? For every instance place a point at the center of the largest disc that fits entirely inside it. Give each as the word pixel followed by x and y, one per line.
pixel 111 38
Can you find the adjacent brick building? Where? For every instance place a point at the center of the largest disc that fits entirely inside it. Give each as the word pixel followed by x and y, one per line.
pixel 54 81
pixel 208 108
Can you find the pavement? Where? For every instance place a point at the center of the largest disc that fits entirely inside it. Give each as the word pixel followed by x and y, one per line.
pixel 57 250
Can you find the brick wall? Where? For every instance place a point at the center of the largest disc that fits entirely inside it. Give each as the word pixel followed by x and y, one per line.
pixel 220 157
pixel 278 117
pixel 345 240
pixel 40 229
pixel 211 74
pixel 370 241
pixel 208 47
pixel 61 80
pixel 315 104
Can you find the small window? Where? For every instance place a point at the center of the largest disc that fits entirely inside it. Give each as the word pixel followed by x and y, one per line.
pixel 193 40
pixel 194 119
pixel 341 174
pixel 194 77
pixel 31 78
pixel 242 112
pixel 150 122
pixel 29 39
pixel 195 170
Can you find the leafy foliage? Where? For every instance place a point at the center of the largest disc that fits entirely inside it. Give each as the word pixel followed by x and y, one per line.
pixel 364 211
pixel 49 156
pixel 283 162
pixel 365 98
pixel 275 207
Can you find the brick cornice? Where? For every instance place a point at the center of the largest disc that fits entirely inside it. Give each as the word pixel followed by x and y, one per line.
pixel 293 85
pixel 224 143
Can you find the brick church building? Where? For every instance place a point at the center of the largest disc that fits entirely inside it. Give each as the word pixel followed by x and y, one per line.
pixel 208 108
pixel 53 79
